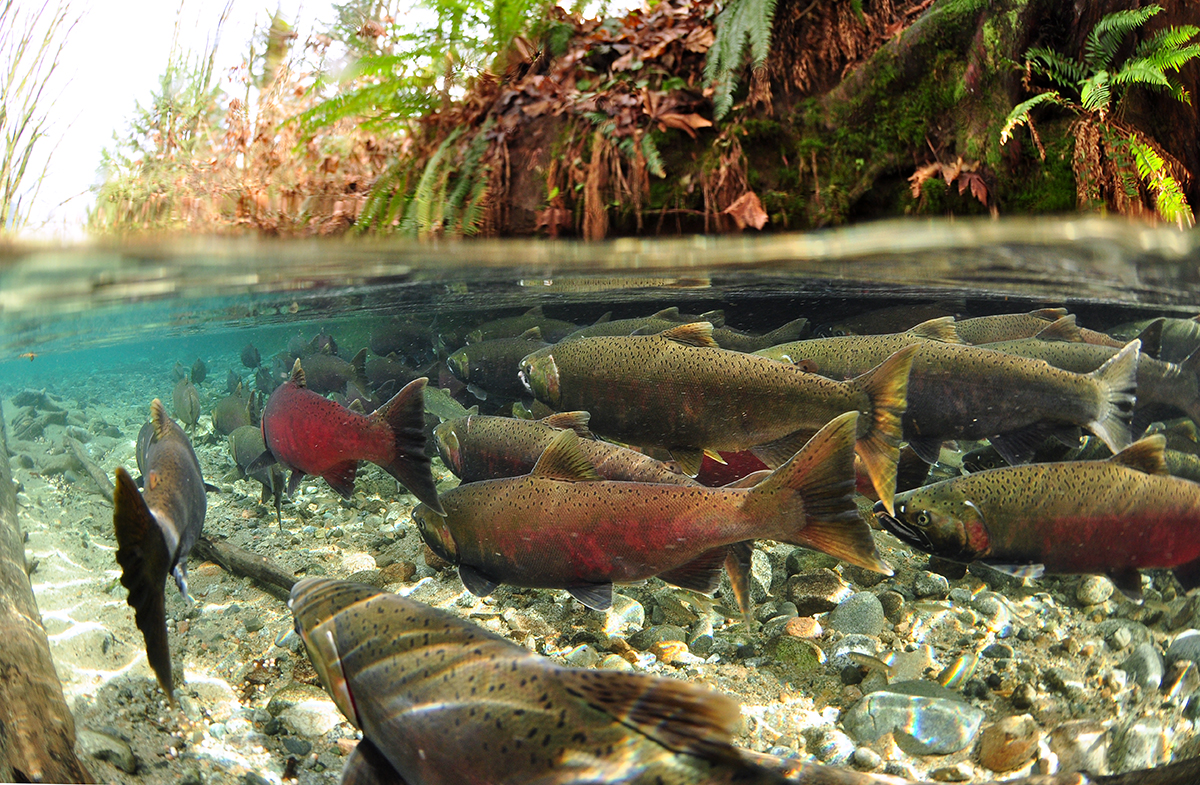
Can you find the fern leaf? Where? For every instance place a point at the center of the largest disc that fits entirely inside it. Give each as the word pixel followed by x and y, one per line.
pixel 1105 38
pixel 1055 66
pixel 1020 113
pixel 1095 94
pixel 1166 40
pixel 1142 73
pixel 1171 59
pixel 737 22
pixel 654 162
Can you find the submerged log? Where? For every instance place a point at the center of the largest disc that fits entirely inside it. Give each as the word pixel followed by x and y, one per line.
pixel 37 731
pixel 239 561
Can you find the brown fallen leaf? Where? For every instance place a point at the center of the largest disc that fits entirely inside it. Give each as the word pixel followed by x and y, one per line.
pixel 922 174
pixel 747 210
pixel 699 40
pixel 684 122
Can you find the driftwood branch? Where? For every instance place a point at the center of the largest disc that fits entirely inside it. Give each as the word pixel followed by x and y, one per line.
pixel 239 561
pixel 103 484
pixel 37 731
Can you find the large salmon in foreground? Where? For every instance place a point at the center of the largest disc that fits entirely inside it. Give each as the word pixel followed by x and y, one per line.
pixel 157 528
pixel 311 434
pixel 441 701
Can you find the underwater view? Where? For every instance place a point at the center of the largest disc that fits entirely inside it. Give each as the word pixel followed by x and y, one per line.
pixel 903 502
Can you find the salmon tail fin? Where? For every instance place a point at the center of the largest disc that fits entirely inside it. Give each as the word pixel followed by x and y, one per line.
pixel 145 560
pixel 886 385
pixel 738 560
pixel 1118 383
pixel 404 414
pixel 809 500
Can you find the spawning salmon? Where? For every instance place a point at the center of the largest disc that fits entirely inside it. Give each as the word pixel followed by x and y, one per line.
pixel 156 529
pixel 678 391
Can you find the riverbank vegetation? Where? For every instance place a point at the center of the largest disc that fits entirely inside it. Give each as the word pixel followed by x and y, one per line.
pixel 526 118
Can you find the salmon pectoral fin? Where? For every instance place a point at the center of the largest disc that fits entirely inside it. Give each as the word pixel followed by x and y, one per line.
pixel 1188 574
pixel 775 454
pixel 1018 447
pixel 145 563
pixel 476 582
pixel 682 716
pixel 597 596
pixel 366 765
pixel 702 574
pixel 809 500
pixel 689 459
pixel 404 414
pixel 341 478
pixel 927 448
pixel 1128 582
pixel 886 386
pixel 265 460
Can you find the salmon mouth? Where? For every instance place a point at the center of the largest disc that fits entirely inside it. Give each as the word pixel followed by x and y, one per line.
pixel 901 530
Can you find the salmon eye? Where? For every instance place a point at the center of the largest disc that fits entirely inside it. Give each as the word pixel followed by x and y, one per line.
pixel 923 518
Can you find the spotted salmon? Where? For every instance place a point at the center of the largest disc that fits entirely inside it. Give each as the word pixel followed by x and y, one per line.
pixel 725 337
pixel 1115 517
pixel 156 529
pixel 478 447
pixel 678 391
pixel 970 392
pixel 1159 384
pixel 1015 326
pixel 562 526
pixel 492 366
pixel 446 702
pixel 310 434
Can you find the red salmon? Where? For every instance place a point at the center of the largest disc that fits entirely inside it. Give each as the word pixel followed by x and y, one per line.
pixel 310 434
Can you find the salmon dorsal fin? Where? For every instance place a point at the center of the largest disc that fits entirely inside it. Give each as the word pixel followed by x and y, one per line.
pixel 1145 455
pixel 692 334
pixel 576 421
pixel 716 316
pixel 159 418
pixel 940 329
pixel 1064 329
pixel 683 717
pixel 297 377
pixel 359 362
pixel 671 313
pixel 605 318
pixel 532 334
pixel 1151 338
pixel 1049 314
pixel 564 460
pixel 535 311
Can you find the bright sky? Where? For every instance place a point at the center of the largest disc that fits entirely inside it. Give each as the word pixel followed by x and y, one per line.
pixel 113 59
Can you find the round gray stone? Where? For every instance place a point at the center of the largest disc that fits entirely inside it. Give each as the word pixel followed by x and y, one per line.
pixel 1186 646
pixel 1144 666
pixel 860 613
pixel 1093 590
pixel 644 639
pixel 920 725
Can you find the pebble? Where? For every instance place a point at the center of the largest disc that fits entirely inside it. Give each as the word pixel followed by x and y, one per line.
pixel 831 746
pixel 930 584
pixel 920 725
pixel 1144 666
pixel 892 603
pixel 802 560
pixel 1186 646
pixel 959 772
pixel 1141 745
pixel 252 623
pixel 1093 590
pixel 398 572
pixel 1081 745
pixel 670 652
pixel 304 709
pixel 1009 744
pixel 700 638
pixel 295 746
pixel 866 759
pixel 625 613
pixel 802 627
pixel 616 662
pixel 106 746
pixel 775 625
pixel 760 576
pixel 816 591
pixel 584 656
pixel 860 613
pixel 995 612
pixel 998 651
pixel 642 640
pixel 1023 696
pixel 1119 638
pixel 802 655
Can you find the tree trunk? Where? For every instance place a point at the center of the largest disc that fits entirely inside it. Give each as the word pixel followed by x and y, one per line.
pixel 37 731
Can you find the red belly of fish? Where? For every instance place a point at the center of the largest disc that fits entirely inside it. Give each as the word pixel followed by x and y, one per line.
pixel 1097 544
pixel 311 434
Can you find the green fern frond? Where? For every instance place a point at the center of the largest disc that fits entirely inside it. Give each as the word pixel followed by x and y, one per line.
pixel 1140 72
pixel 1169 200
pixel 1020 113
pixel 1169 39
pixel 1105 38
pixel 737 22
pixel 654 162
pixel 1067 73
pixel 1094 93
